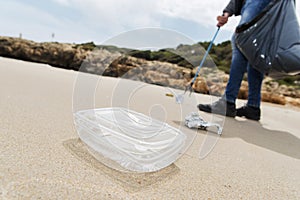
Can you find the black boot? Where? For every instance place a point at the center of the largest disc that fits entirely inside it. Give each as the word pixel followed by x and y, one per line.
pixel 249 112
pixel 221 107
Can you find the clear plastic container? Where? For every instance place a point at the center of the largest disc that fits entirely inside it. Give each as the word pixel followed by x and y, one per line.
pixel 133 140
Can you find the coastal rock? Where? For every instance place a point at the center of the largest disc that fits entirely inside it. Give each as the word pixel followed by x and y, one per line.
pixel 154 72
pixel 113 63
pixel 60 55
pixel 273 98
pixel 201 86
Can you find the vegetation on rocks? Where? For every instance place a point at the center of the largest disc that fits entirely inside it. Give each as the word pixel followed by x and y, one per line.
pixel 166 67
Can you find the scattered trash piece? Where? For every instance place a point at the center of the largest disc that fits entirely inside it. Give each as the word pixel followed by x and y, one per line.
pixel 194 120
pixel 169 95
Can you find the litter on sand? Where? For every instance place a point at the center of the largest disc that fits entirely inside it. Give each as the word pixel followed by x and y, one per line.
pixel 194 120
pixel 169 95
pixel 133 140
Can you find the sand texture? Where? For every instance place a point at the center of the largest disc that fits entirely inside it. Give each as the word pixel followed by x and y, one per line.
pixel 43 158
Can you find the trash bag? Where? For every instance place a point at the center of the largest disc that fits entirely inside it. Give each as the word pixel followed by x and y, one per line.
pixel 271 41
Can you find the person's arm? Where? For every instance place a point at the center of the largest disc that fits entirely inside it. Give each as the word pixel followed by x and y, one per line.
pixel 230 8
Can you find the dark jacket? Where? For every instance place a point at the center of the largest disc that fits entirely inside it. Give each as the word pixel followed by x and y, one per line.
pixel 234 7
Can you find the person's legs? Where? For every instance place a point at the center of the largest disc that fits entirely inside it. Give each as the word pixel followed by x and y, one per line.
pixel 255 79
pixel 252 109
pixel 238 68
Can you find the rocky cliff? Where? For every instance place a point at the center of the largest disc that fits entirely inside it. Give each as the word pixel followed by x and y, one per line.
pixel 117 64
pixel 61 55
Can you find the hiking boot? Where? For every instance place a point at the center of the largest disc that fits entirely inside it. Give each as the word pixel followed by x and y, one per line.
pixel 249 112
pixel 221 107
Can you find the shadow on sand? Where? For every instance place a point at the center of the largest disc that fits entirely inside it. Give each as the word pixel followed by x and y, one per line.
pixel 130 181
pixel 254 133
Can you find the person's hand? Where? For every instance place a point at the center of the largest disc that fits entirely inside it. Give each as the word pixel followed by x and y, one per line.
pixel 222 20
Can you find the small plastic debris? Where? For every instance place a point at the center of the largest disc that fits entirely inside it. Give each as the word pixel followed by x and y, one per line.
pixel 169 95
pixel 194 120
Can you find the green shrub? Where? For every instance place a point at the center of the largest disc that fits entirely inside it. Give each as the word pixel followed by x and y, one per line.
pixel 89 46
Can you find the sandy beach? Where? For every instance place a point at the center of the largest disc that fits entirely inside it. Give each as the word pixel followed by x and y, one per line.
pixel 43 158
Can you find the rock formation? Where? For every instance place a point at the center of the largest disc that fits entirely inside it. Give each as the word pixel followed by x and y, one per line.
pixel 60 55
pixel 112 63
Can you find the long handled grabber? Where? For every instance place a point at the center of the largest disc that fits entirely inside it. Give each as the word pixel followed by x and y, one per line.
pixel 189 87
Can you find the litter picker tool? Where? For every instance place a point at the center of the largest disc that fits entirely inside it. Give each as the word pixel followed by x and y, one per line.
pixel 189 87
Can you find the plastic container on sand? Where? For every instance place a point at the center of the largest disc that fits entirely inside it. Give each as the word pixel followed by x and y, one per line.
pixel 133 140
